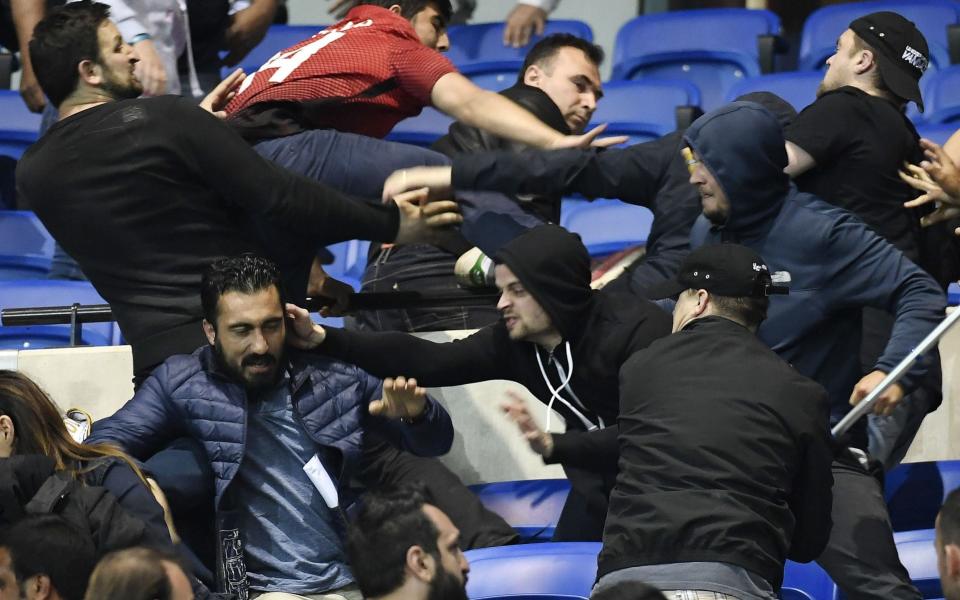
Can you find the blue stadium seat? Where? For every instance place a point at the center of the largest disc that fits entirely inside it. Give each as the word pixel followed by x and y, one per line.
pixel 422 130
pixel 279 37
pixel 478 48
pixel 608 226
pixel 495 82
pixel 643 109
pixel 799 88
pixel 918 555
pixel 549 570
pixel 938 133
pixel 349 259
pixel 713 48
pixel 807 580
pixel 915 491
pixel 23 294
pixel 531 507
pixel 26 248
pixel 822 28
pixel 18 126
pixel 941 97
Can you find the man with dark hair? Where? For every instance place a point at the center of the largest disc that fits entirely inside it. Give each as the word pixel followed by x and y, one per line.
pixel 45 558
pixel 724 455
pixel 560 85
pixel 556 336
pixel 948 546
pixel 403 548
pixel 167 188
pixel 847 148
pixel 284 432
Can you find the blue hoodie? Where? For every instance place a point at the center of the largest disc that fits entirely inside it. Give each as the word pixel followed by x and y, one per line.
pixel 836 263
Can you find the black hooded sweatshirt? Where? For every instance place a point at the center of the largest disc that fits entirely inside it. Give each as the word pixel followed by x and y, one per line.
pixel 600 331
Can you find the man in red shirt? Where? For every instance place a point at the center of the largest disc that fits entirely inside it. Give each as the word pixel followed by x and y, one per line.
pixel 306 106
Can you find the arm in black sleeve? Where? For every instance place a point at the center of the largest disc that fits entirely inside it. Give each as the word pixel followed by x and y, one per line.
pixel 432 364
pixel 597 450
pixel 242 177
pixel 811 499
pixel 631 174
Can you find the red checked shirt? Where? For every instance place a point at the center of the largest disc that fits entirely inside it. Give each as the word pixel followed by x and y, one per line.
pixel 362 75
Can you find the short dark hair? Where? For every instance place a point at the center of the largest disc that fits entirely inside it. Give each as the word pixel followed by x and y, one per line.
pixel 134 574
pixel 950 518
pixel 628 590
pixel 52 546
pixel 544 50
pixel 410 8
pixel 61 41
pixel 748 310
pixel 388 524
pixel 246 273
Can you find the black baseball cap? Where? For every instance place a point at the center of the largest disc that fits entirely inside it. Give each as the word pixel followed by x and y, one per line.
pixel 903 52
pixel 721 269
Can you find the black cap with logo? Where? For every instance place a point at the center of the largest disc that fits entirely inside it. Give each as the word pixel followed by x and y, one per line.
pixel 904 55
pixel 722 269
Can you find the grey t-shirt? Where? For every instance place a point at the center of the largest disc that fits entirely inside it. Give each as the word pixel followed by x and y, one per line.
pixel 291 544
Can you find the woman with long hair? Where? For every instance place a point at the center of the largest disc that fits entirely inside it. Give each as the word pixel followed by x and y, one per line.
pixel 31 424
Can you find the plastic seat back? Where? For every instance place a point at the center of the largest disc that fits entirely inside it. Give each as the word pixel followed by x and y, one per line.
pixel 799 88
pixel 918 555
pixel 478 48
pixel 531 507
pixel 644 109
pixel 807 580
pixel 712 48
pixel 554 570
pixel 421 130
pixel 608 226
pixel 26 248
pixel 822 28
pixel 18 126
pixel 938 133
pixel 941 97
pixel 25 294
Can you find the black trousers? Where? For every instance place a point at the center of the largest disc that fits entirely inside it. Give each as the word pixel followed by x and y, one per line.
pixel 386 466
pixel 861 556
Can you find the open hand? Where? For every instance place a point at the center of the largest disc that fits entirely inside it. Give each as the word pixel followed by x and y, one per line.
pixel 402 399
pixel 221 95
pixel 540 441
pixel 422 218
pixel 523 21
pixel 945 207
pixel 302 332
pixel 437 180
pixel 941 167
pixel 589 139
pixel 887 401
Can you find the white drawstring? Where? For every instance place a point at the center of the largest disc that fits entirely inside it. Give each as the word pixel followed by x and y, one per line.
pixel 555 392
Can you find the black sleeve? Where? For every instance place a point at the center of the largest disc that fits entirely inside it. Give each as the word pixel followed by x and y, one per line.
pixel 432 364
pixel 596 450
pixel 241 176
pixel 631 174
pixel 823 128
pixel 811 499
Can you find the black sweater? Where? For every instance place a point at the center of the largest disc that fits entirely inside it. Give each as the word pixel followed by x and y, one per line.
pixel 146 193
pixel 724 456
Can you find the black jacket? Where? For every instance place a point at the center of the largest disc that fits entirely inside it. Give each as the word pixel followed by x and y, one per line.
pixel 724 456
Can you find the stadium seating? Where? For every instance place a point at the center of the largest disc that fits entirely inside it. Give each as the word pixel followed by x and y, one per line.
pixel 549 570
pixel 938 133
pixel 23 294
pixel 645 109
pixel 799 88
pixel 915 491
pixel 26 248
pixel 279 37
pixel 822 28
pixel 18 126
pixel 349 259
pixel 941 97
pixel 608 226
pixel 807 580
pixel 531 507
pixel 422 130
pixel 713 48
pixel 478 49
pixel 920 559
